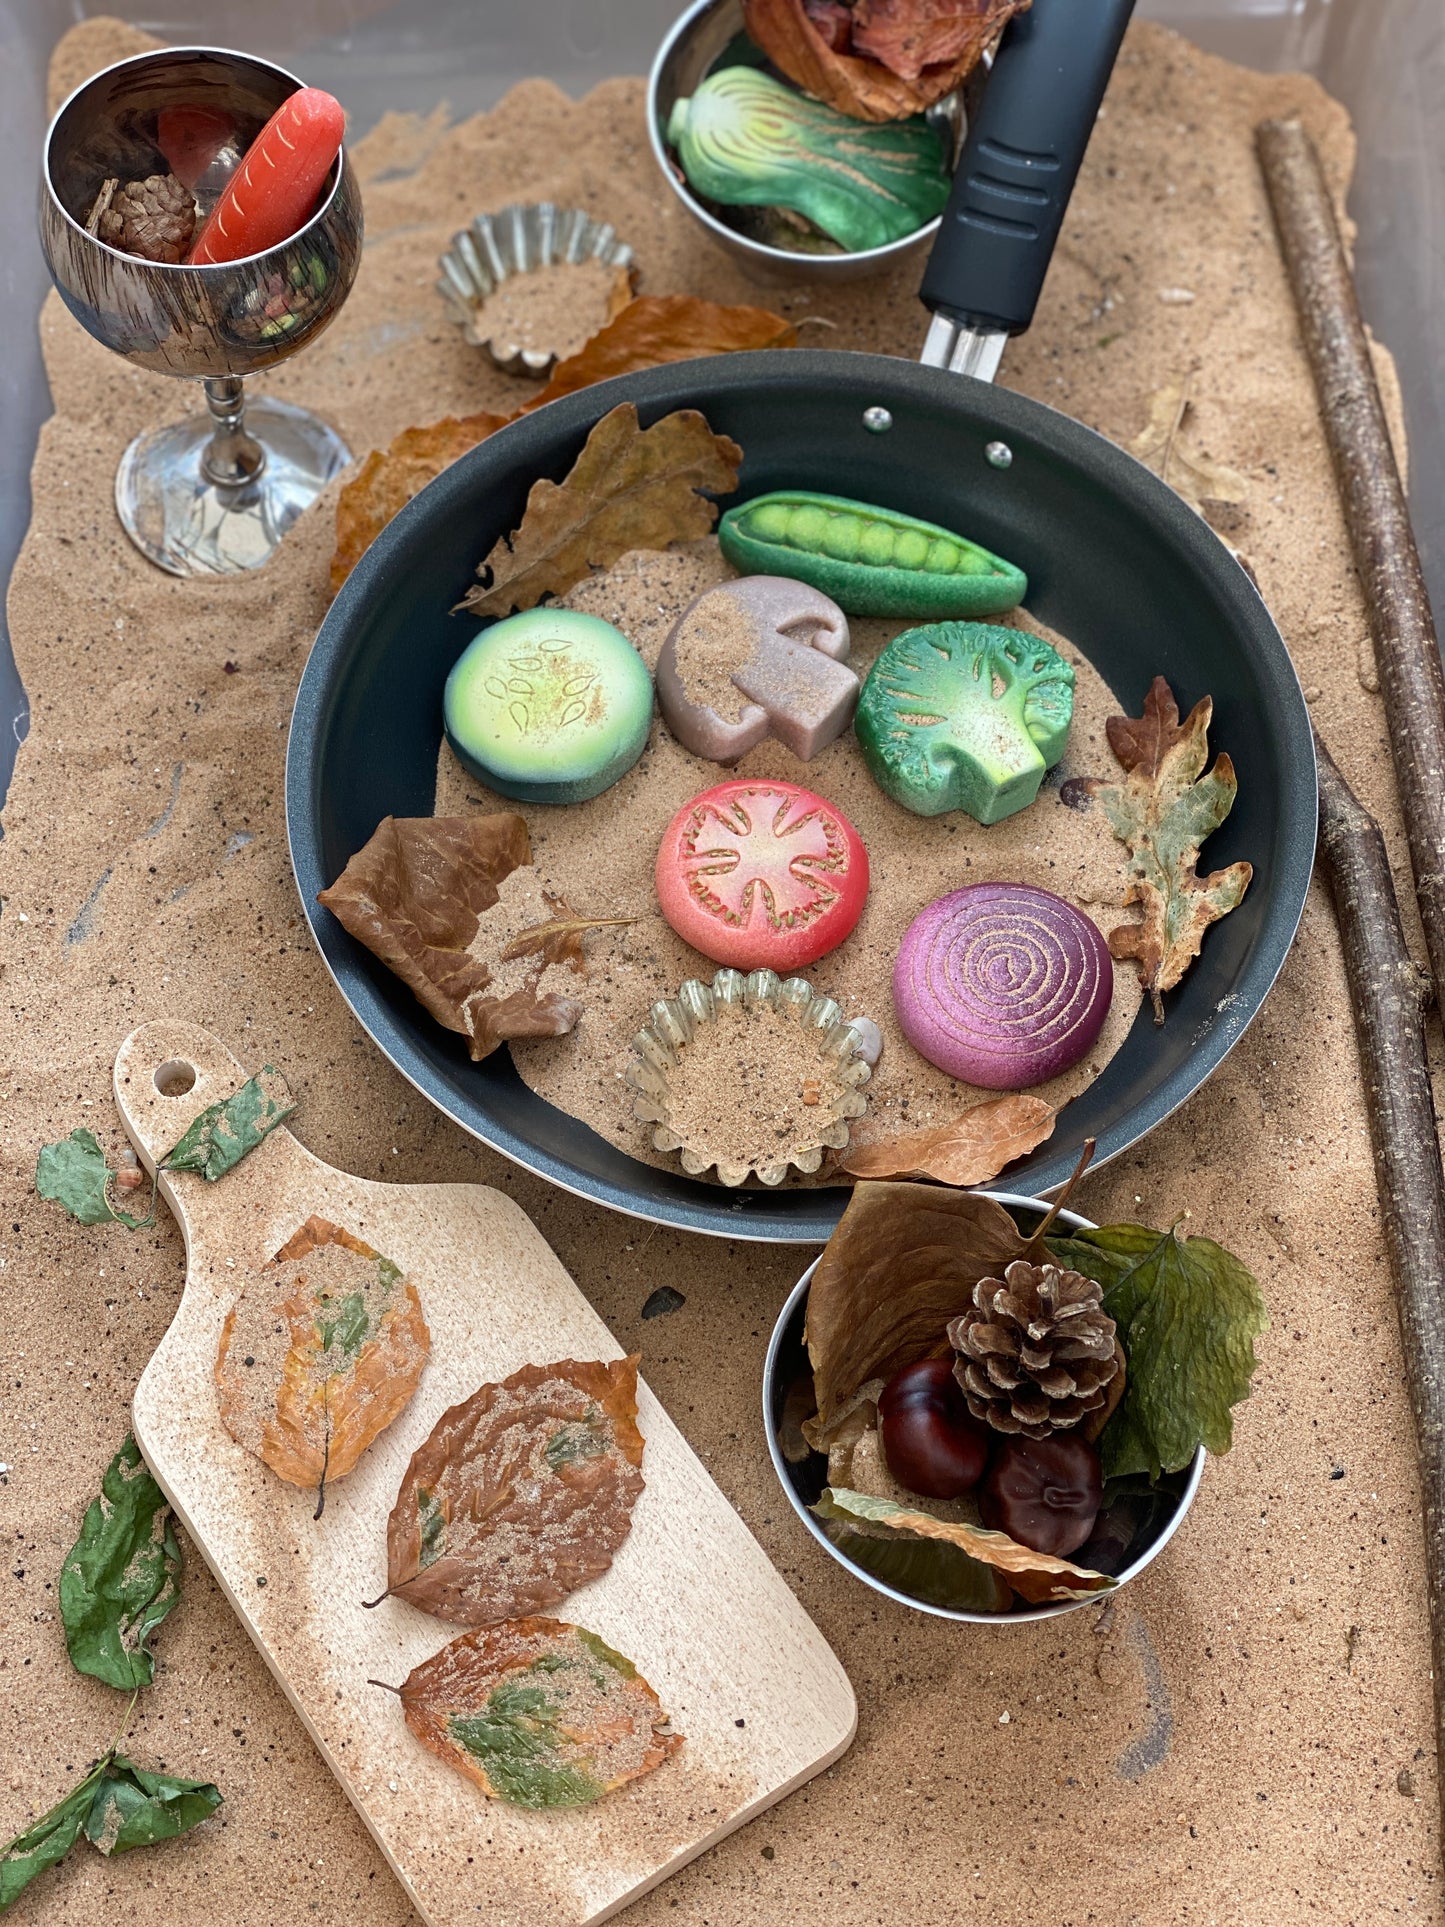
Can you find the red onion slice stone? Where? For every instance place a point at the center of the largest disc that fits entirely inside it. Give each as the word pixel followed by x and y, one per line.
pixel 1002 985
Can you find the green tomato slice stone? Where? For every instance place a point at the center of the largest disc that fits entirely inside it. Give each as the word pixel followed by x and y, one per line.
pixel 549 706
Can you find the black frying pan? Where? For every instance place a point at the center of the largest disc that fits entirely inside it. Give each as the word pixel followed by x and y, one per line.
pixel 1115 561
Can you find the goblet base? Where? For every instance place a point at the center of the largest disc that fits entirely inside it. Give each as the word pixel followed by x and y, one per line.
pixel 191 526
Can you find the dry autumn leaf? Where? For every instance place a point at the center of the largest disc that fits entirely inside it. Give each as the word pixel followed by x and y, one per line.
pixel 521 1494
pixel 903 1261
pixel 630 488
pixel 415 895
pixel 539 1712
pixel 880 59
pixel 1162 812
pixel 319 1354
pixel 1161 447
pixel 967 1150
pixel 387 480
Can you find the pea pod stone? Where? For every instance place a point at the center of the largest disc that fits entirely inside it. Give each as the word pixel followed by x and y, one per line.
pixel 549 707
pixel 871 561
pixel 965 716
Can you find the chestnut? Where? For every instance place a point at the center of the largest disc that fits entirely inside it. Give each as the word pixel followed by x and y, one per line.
pixel 1045 1492
pixel 932 1443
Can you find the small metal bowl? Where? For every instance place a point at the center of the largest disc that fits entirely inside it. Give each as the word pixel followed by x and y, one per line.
pixel 514 241
pixel 687 55
pixel 787 1358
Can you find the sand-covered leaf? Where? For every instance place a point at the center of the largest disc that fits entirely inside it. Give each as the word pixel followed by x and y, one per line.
pixel 1036 1577
pixel 133 1807
pixel 122 1575
pixel 521 1494
pixel 1162 812
pixel 1187 1313
pixel 228 1131
pixel 630 488
pixel 903 1261
pixel 1162 446
pixel 966 1150
pixel 319 1353
pixel 415 894
pixel 659 328
pixel 389 477
pixel 539 1712
pixel 876 59
pixel 43 1843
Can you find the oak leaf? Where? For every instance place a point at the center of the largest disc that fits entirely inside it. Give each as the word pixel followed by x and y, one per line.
pixel 966 1150
pixel 630 488
pixel 387 480
pixel 319 1353
pixel 539 1712
pixel 1162 812
pixel 1161 446
pixel 895 58
pixel 522 1493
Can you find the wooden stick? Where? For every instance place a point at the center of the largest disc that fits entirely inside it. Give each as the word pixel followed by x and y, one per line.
pixel 1390 997
pixel 1397 607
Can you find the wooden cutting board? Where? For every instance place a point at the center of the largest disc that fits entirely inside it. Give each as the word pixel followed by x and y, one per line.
pixel 691 1598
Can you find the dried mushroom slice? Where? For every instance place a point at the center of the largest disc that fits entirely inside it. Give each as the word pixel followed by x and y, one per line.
pixel 540 1713
pixel 521 1494
pixel 318 1355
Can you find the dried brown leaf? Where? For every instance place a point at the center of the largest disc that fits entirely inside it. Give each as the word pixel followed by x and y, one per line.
pixel 655 329
pixel 387 480
pixel 906 54
pixel 903 1261
pixel 539 1713
pixel 559 940
pixel 521 1494
pixel 630 488
pixel 967 1150
pixel 1161 447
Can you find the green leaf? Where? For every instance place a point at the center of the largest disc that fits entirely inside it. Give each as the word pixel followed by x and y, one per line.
pixel 122 1575
pixel 74 1173
pixel 523 1750
pixel 48 1841
pixel 1188 1315
pixel 224 1133
pixel 135 1808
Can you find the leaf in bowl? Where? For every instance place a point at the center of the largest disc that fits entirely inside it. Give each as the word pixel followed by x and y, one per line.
pixel 966 1150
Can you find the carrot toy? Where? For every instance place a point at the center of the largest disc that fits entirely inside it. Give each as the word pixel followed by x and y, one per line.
pixel 273 191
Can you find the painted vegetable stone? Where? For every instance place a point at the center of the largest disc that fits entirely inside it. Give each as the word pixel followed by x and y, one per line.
pixel 1002 985
pixel 761 875
pixel 761 657
pixel 549 707
pixel 871 561
pixel 745 140
pixel 965 716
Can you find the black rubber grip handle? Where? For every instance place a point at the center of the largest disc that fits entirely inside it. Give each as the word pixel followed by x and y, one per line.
pixel 1019 161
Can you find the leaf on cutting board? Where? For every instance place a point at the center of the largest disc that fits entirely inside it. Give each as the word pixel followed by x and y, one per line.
pixel 117 1806
pixel 1037 1577
pixel 539 1713
pixel 1187 1314
pixel 226 1132
pixel 659 328
pixel 416 894
pixel 630 488
pixel 521 1494
pixel 1162 812
pixel 882 60
pixel 1161 446
pixel 319 1353
pixel 122 1575
pixel 967 1150
pixel 388 478
pixel 903 1260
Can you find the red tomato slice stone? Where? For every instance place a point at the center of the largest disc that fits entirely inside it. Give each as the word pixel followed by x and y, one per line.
pixel 762 875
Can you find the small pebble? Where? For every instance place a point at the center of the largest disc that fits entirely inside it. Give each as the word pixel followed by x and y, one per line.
pixel 663 1301
pixel 1176 297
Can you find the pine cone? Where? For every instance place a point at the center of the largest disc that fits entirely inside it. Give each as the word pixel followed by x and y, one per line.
pixel 1038 1350
pixel 154 218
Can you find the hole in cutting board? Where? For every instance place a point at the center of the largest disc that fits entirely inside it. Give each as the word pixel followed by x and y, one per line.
pixel 174 1078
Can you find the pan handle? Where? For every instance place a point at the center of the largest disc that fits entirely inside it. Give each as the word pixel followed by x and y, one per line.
pixel 1015 176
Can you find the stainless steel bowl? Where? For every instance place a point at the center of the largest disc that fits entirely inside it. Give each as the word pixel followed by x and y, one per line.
pixel 786 1352
pixel 683 61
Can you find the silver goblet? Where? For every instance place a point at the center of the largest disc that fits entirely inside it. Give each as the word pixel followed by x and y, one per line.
pixel 214 493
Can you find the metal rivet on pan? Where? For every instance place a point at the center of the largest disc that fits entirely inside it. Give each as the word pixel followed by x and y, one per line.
pixel 998 455
pixel 877 421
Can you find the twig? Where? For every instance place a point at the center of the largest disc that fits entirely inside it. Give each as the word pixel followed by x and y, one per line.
pixel 1373 499
pixel 1389 997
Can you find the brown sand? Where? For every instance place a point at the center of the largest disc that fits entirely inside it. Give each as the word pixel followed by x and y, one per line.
pixel 600 856
pixel 1245 1736
pixel 551 309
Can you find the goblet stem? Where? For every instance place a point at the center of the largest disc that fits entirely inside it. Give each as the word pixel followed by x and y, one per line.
pixel 232 457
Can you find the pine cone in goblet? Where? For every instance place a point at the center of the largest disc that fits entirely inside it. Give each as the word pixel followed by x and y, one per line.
pixel 154 218
pixel 1037 1352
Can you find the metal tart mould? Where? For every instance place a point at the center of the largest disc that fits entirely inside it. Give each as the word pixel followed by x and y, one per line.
pixel 516 240
pixel 842 1050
